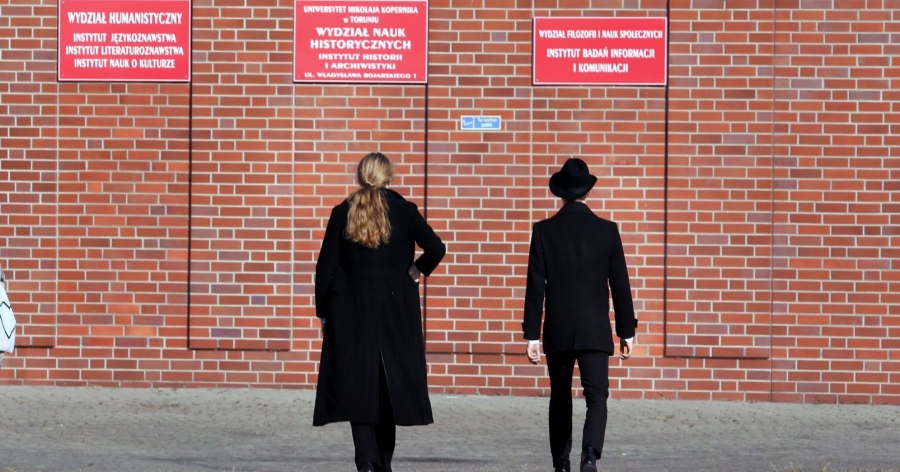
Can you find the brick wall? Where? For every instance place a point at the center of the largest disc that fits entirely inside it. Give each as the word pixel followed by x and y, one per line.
pixel 166 234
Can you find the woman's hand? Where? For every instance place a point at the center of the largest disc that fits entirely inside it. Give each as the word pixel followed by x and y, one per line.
pixel 414 273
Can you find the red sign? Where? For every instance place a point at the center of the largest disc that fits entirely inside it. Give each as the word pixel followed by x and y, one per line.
pixel 361 41
pixel 607 51
pixel 125 40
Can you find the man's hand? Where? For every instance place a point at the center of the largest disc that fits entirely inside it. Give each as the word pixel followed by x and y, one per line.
pixel 625 348
pixel 533 351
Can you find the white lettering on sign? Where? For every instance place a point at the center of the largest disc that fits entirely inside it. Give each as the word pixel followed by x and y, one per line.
pixel 339 75
pixel 568 34
pixel 552 34
pixel 87 17
pixel 382 57
pixel 641 34
pixel 89 37
pixel 118 38
pixel 156 63
pixel 124 18
pixel 562 53
pixel 367 75
pixel 338 57
pixel 595 52
pixel 361 66
pixel 362 9
pixel 144 18
pixel 633 53
pixel 364 19
pixel 324 9
pixel 390 32
pixel 618 68
pixel 383 75
pixel 82 50
pixel 404 10
pixel 141 51
pixel 357 9
pixel 90 63
pixel 343 32
pixel 358 44
pixel 581 34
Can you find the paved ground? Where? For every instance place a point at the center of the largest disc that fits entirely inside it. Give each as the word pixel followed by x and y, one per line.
pixel 96 429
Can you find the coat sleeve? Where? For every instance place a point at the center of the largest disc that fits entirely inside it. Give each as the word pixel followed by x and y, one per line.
pixel 620 288
pixel 534 288
pixel 433 249
pixel 327 263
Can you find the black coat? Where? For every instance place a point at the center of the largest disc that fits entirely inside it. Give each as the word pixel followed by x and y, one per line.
pixel 575 259
pixel 371 309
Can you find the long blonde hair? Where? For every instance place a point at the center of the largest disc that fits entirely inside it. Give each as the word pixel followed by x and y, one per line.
pixel 367 220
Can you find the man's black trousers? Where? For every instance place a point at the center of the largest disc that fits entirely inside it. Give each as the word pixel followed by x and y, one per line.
pixel 594 368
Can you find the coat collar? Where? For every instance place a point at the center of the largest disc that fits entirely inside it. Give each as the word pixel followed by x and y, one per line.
pixel 574 207
pixel 389 193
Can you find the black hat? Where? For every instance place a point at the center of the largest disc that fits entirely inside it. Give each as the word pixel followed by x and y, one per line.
pixel 572 181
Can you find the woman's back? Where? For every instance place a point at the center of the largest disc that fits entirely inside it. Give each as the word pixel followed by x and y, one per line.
pixel 368 297
pixel 391 258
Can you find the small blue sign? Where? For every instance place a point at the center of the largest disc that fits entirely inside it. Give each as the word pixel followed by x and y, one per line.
pixel 480 122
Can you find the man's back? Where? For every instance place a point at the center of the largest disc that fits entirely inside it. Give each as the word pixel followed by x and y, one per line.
pixel 575 259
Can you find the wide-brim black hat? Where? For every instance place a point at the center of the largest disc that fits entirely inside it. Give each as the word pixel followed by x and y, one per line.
pixel 572 181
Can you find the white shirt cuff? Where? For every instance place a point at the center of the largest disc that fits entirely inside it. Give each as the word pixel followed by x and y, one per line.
pixel 628 341
pixel 532 342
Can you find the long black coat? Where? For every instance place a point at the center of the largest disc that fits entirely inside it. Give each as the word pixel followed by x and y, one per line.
pixel 575 259
pixel 371 309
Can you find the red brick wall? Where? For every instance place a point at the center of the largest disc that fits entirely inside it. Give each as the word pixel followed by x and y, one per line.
pixel 166 234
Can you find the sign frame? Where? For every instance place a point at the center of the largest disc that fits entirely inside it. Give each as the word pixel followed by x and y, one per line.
pixel 418 71
pixel 481 123
pixel 555 81
pixel 180 75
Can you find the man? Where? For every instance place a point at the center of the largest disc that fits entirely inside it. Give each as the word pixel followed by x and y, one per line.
pixel 575 259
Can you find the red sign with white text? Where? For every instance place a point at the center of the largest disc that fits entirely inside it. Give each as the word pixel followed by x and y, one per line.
pixel 600 51
pixel 361 41
pixel 125 40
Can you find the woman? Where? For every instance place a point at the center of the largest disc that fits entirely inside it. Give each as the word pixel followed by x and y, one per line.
pixel 372 370
pixel 7 320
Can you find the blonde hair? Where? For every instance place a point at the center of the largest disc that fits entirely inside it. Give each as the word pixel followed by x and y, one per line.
pixel 367 220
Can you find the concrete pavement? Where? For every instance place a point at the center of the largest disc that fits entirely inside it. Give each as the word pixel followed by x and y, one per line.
pixel 152 430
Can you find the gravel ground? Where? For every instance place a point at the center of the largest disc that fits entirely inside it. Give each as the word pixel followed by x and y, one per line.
pixel 244 430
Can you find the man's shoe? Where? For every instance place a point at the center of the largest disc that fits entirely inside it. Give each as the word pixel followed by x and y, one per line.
pixel 588 460
pixel 564 467
pixel 368 467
